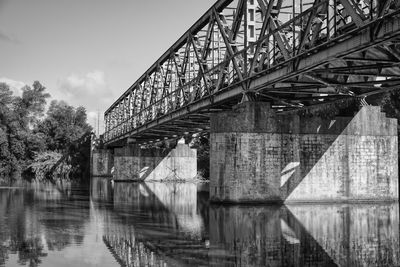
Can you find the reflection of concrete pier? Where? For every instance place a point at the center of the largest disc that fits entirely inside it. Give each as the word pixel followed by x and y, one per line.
pixel 101 189
pixel 305 235
pixel 354 235
pixel 159 221
pixel 262 236
pixel 167 203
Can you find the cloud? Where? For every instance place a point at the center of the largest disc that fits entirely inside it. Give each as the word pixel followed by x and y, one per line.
pixel 8 38
pixel 15 86
pixel 89 90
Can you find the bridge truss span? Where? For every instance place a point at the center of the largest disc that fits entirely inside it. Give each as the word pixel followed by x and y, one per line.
pixel 292 53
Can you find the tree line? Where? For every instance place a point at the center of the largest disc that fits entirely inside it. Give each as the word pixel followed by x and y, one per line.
pixel 29 133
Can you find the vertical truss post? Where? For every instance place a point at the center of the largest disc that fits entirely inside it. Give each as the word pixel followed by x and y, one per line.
pixel 228 46
pixel 266 13
pixel 232 36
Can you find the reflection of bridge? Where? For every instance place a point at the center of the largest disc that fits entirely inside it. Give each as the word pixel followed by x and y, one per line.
pixel 310 52
pixel 245 71
pixel 143 227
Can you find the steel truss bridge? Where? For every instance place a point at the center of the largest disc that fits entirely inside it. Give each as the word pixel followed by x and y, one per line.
pixel 291 53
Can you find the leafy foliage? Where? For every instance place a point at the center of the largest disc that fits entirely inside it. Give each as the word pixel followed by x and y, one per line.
pixel 31 138
pixel 63 125
pixel 12 133
pixel 31 106
pixel 202 144
pixel 44 161
pixel 391 104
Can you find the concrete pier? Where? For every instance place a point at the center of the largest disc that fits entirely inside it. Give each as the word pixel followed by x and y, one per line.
pixel 134 163
pixel 102 161
pixel 257 155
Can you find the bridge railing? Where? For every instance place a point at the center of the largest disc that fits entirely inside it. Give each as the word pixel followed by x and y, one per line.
pixel 217 53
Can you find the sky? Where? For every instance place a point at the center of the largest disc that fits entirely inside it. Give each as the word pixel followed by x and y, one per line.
pixel 88 52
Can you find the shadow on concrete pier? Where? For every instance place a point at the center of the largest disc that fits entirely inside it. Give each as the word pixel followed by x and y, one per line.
pixel 258 155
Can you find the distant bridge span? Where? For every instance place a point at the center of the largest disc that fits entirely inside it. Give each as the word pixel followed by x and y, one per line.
pixel 291 53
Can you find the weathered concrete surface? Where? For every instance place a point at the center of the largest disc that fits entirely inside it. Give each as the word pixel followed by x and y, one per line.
pixel 258 155
pixel 134 163
pixel 102 162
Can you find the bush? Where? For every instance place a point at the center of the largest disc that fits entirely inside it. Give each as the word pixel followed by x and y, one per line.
pixel 43 163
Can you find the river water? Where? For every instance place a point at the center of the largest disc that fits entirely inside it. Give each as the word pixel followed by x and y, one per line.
pixel 173 224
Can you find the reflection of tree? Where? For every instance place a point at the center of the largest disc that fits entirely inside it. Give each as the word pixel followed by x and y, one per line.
pixel 57 241
pixel 65 226
pixel 13 234
pixel 29 251
pixel 11 230
pixel 3 254
pixel 22 226
pixel 60 237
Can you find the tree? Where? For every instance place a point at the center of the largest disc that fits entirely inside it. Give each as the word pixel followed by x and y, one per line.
pixel 31 106
pixel 5 95
pixel 17 114
pixel 202 144
pixel 9 133
pixel 63 125
pixel 390 103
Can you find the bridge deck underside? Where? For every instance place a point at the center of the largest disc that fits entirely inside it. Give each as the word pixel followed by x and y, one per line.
pixel 291 55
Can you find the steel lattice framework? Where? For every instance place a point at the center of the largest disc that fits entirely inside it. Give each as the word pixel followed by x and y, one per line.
pixel 292 53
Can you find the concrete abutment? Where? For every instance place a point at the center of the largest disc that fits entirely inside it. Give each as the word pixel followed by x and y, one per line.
pixel 257 155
